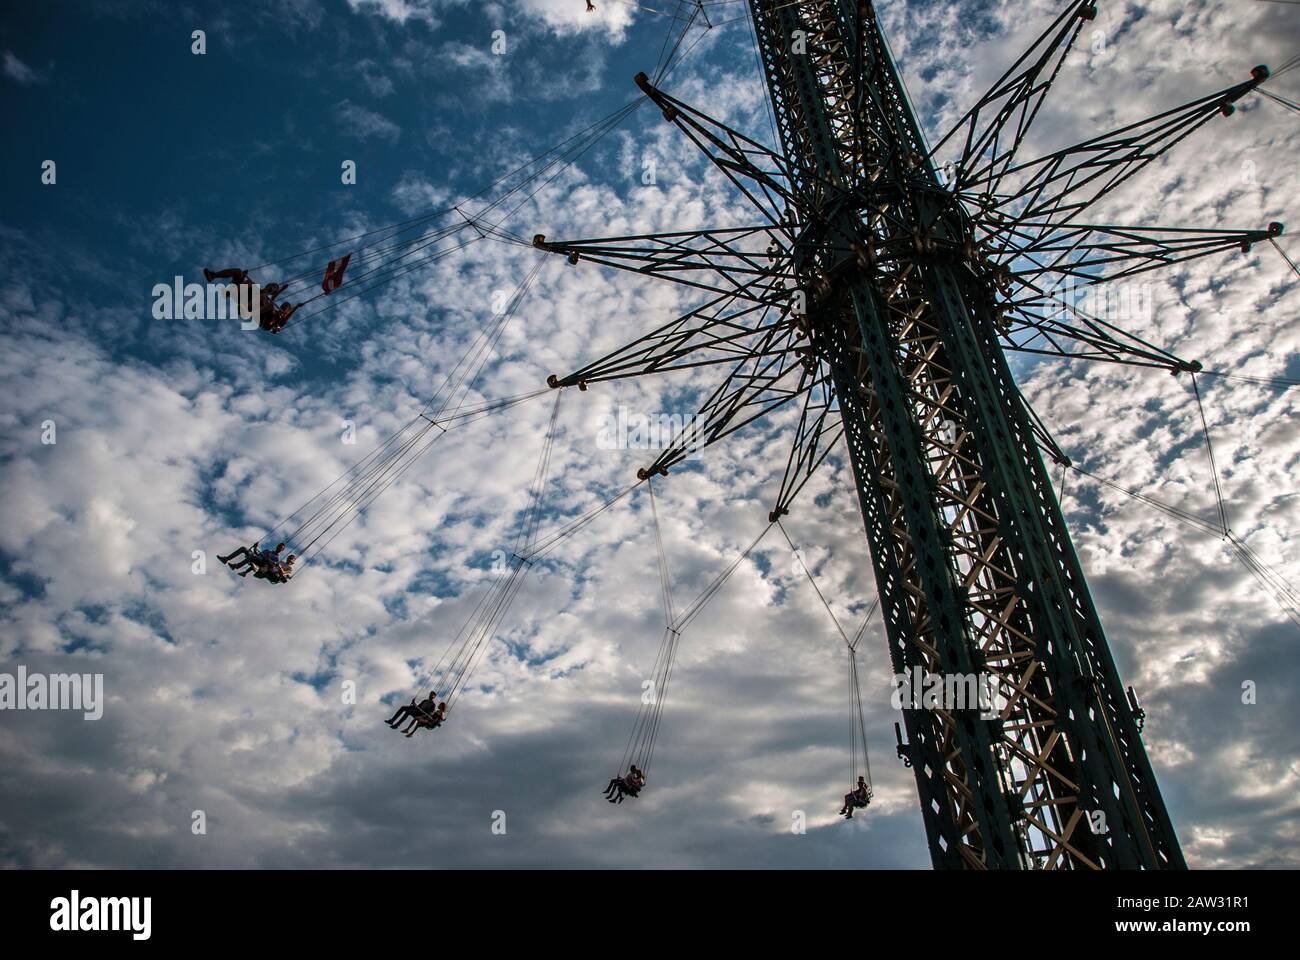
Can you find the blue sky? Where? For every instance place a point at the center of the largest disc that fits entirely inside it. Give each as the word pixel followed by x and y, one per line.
pixel 241 148
pixel 224 695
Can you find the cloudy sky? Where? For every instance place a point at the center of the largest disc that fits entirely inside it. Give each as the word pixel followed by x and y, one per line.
pixel 228 696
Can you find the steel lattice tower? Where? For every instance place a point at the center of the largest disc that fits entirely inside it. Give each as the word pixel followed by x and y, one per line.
pixel 973 562
pixel 888 296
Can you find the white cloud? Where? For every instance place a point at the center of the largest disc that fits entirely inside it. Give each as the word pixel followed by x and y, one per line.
pixel 211 704
pixel 400 11
pixel 19 72
pixel 364 123
pixel 378 83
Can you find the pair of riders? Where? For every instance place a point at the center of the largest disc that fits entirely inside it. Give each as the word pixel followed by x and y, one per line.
pixel 262 564
pixel 272 316
pixel 857 799
pixel 425 714
pixel 628 785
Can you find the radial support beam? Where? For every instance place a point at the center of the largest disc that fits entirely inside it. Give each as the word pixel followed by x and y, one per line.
pixel 1094 253
pixel 1061 185
pixel 992 131
pixel 744 262
pixel 721 331
pixel 754 169
pixel 754 389
pixel 818 433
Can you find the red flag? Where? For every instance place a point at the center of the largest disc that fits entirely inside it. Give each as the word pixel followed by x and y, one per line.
pixel 334 274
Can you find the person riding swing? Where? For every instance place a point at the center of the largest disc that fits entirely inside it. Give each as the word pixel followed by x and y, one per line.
pixel 431 722
pixel 272 317
pixel 857 799
pixel 628 785
pixel 276 317
pixel 275 571
pixel 427 714
pixel 412 710
pixel 426 720
pixel 253 558
pixel 262 564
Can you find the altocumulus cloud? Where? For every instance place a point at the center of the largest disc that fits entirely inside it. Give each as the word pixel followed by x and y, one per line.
pixel 18 71
pixel 226 698
pixel 365 123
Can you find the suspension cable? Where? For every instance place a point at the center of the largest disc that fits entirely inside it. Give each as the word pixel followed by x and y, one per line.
pixel 644 736
pixel 665 582
pixel 857 720
pixel 326 514
pixel 1209 450
pixel 1278 588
